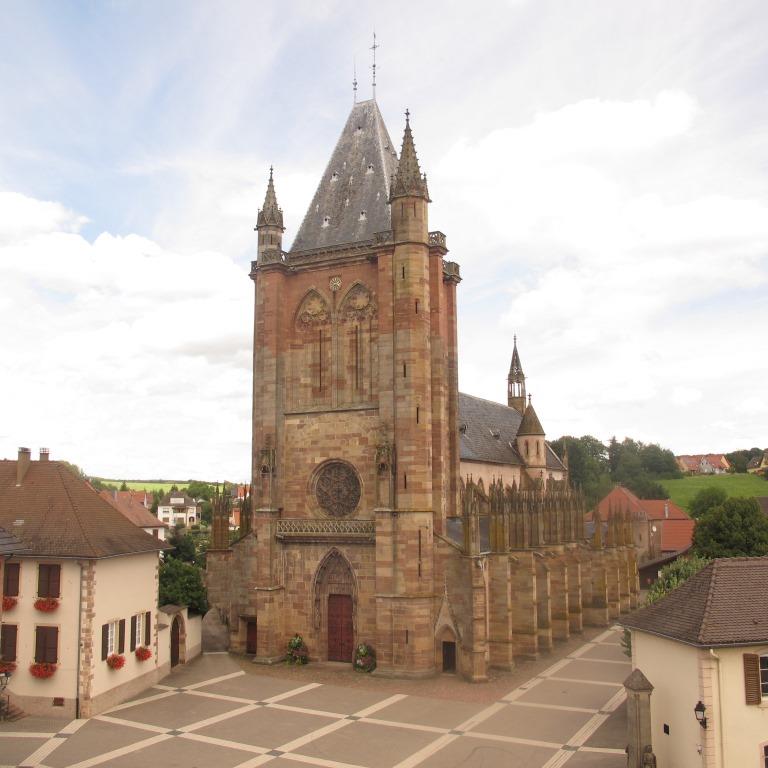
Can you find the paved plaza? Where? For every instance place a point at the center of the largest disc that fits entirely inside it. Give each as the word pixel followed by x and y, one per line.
pixel 217 713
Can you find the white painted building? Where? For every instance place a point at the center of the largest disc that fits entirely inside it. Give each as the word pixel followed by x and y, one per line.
pixel 177 509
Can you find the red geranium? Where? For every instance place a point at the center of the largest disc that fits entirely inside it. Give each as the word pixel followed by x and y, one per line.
pixel 115 661
pixel 143 653
pixel 46 604
pixel 9 603
pixel 7 666
pixel 42 670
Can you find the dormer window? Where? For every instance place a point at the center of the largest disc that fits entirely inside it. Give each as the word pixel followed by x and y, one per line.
pixel 370 168
pixel 346 202
pixel 334 177
pixel 363 215
pixel 326 221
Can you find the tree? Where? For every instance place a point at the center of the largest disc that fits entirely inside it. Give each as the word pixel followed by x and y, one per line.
pixel 182 584
pixel 645 488
pixel 740 459
pixel 673 575
pixel 200 490
pixel 735 528
pixel 124 486
pixel 184 546
pixel 587 464
pixel 706 499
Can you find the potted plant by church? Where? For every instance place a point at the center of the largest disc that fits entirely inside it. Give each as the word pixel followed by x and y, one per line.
pixel 365 658
pixel 298 653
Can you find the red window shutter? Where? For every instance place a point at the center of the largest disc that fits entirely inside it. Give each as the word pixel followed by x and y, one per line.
pixel 8 635
pixel 52 644
pixel 39 645
pixel 147 628
pixel 104 641
pixel 55 581
pixel 121 637
pixel 134 621
pixel 752 678
pixel 11 580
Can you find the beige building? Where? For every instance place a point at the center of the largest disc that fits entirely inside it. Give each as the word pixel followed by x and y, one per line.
pixel 705 647
pixel 177 509
pixel 81 597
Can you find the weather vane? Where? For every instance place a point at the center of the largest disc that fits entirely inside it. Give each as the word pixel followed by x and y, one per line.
pixel 373 67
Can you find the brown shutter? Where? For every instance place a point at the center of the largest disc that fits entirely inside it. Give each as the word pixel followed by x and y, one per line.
pixel 11 580
pixel 121 635
pixel 42 581
pixel 51 644
pixel 55 581
pixel 752 678
pixel 39 644
pixel 134 622
pixel 104 641
pixel 147 628
pixel 8 635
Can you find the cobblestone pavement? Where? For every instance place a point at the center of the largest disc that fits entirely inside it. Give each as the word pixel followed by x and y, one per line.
pixel 213 714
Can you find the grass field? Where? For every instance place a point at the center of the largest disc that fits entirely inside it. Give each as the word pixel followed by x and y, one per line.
pixel 146 485
pixel 683 490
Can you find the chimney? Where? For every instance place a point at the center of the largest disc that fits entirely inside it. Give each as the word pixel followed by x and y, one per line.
pixel 23 464
pixel 44 454
pixel 666 509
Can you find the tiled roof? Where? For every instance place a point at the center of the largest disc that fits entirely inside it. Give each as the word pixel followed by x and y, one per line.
pixel 676 535
pixel 726 603
pixel 621 498
pixel 8 543
pixel 530 425
pixel 132 509
pixel 54 513
pixel 357 179
pixel 489 430
pixel 166 500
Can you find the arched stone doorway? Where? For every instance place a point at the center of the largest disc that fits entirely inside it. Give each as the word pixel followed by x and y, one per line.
pixel 335 607
pixel 178 641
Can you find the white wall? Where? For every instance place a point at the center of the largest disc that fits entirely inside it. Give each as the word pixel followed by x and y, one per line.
pixel 673 670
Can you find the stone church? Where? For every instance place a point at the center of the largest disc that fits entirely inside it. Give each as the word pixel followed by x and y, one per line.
pixel 386 507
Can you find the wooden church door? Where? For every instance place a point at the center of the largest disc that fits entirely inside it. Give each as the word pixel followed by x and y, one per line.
pixel 340 630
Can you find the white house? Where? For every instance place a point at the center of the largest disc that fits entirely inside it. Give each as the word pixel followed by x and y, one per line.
pixel 80 620
pixel 704 648
pixel 177 508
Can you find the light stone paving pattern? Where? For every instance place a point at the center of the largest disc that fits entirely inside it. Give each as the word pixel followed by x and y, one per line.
pixel 211 714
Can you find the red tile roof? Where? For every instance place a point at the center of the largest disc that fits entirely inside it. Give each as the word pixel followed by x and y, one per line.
pixel 726 603
pixel 55 513
pixel 128 506
pixel 676 535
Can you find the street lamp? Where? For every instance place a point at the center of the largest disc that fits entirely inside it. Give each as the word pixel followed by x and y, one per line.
pixel 699 711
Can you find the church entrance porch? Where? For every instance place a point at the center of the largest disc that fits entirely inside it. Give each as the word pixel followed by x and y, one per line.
pixel 340 628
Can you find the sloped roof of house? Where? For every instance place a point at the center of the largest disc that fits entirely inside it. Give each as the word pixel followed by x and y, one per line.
pixel 187 501
pixel 726 603
pixel 9 544
pixel 488 431
pixel 128 506
pixel 54 513
pixel 621 498
pixel 676 535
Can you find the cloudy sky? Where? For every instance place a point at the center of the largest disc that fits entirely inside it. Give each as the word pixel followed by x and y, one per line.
pixel 599 167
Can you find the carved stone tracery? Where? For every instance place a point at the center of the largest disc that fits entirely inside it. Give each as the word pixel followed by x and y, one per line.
pixel 313 311
pixel 358 304
pixel 337 489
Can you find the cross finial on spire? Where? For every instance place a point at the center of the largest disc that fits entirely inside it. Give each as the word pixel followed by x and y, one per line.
pixel 373 66
pixel 529 398
pixel 270 172
pixel 354 81
pixel 407 116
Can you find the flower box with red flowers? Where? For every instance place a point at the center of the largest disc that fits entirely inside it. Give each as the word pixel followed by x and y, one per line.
pixel 115 661
pixel 46 604
pixel 9 603
pixel 142 653
pixel 42 670
pixel 7 666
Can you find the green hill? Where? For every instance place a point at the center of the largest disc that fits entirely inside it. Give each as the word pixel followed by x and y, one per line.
pixel 683 490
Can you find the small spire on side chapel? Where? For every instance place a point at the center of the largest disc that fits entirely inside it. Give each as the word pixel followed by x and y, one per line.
pixel 408 181
pixel 270 215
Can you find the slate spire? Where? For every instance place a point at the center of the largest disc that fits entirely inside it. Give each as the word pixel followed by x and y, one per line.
pixel 516 382
pixel 270 215
pixel 409 181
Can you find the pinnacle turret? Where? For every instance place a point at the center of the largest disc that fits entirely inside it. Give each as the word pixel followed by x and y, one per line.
pixel 270 215
pixel 408 181
pixel 516 382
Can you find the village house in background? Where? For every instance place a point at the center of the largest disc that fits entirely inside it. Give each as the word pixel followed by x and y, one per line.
pixel 80 623
pixel 364 527
pixel 704 464
pixel 132 505
pixel 758 464
pixel 177 509
pixel 704 650
pixel 662 531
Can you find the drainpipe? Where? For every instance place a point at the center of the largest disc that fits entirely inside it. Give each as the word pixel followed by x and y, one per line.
pixel 79 642
pixel 719 706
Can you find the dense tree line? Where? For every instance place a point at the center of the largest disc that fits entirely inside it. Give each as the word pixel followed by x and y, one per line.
pixel 596 467
pixel 740 459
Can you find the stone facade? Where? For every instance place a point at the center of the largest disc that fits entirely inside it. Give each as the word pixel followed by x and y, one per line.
pixel 356 488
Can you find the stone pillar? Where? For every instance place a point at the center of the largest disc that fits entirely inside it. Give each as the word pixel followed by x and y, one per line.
pixel 524 606
pixel 558 581
pixel 598 613
pixel 500 641
pixel 612 581
pixel 575 604
pixel 543 605
pixel 639 743
pixel 624 579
